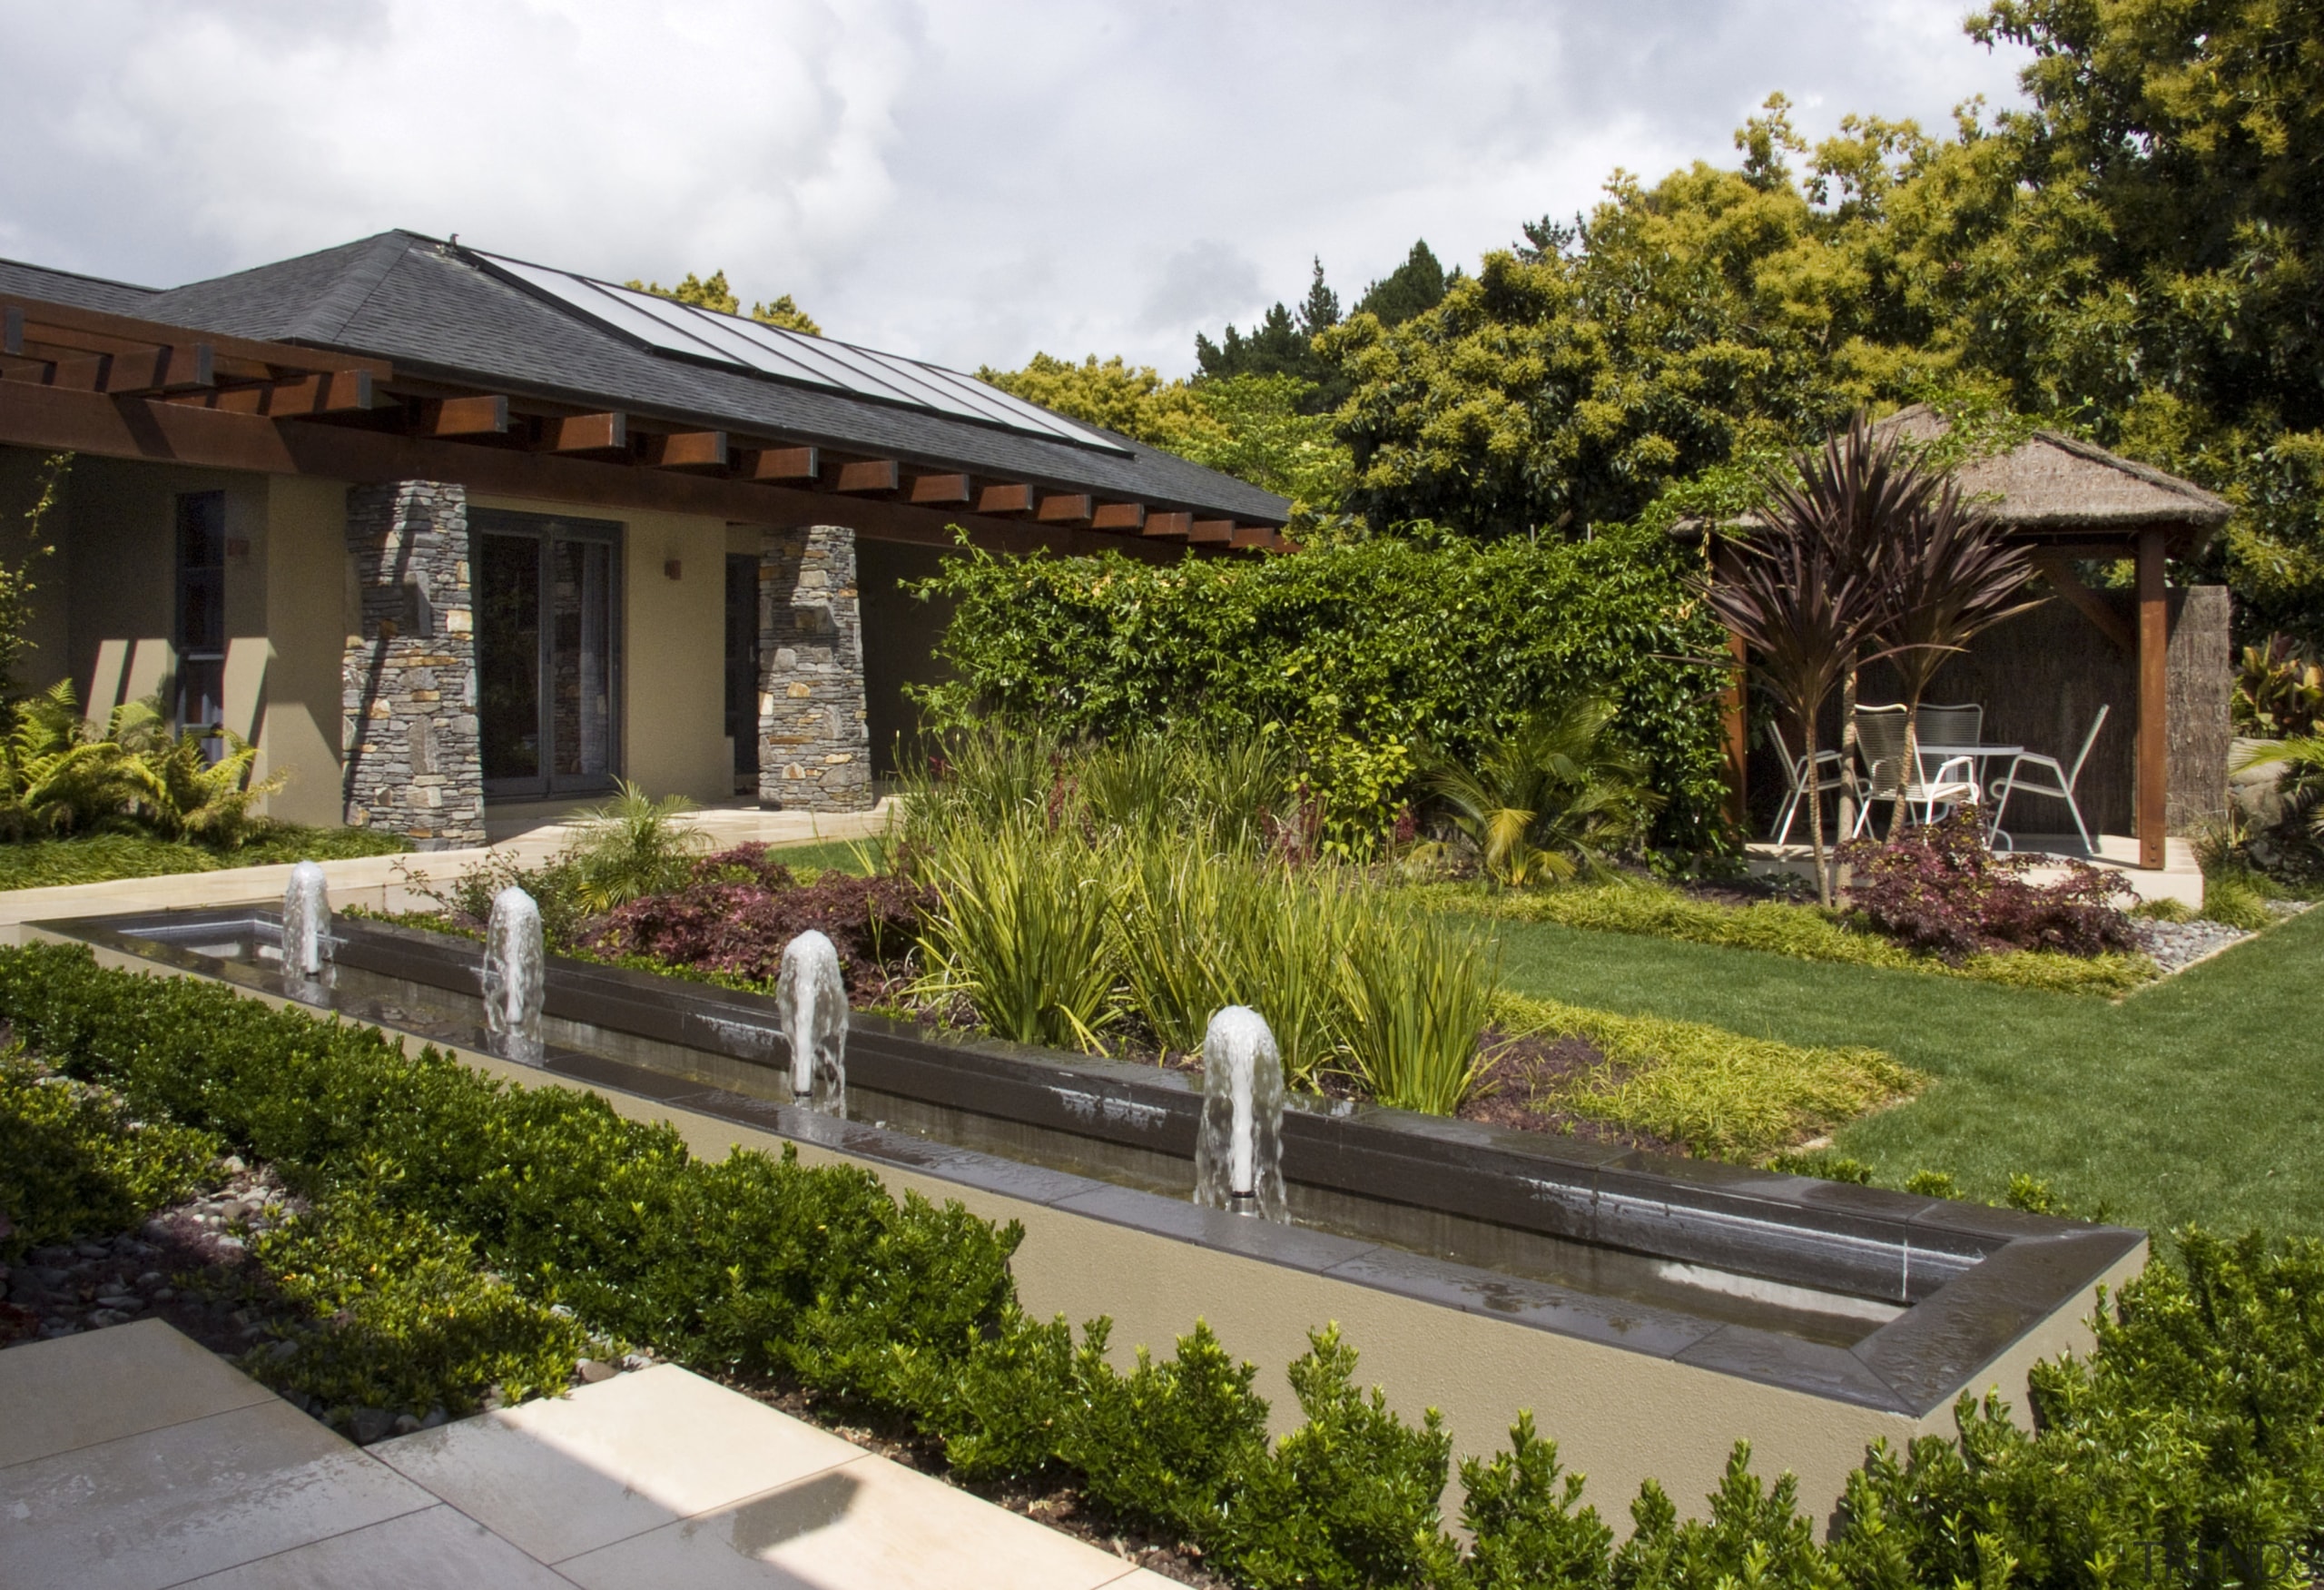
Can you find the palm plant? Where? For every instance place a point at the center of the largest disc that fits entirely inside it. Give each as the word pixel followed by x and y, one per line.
pixel 2302 756
pixel 1555 797
pixel 632 846
pixel 1803 593
pixel 1948 576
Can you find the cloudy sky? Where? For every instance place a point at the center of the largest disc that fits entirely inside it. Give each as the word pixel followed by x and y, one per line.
pixel 964 182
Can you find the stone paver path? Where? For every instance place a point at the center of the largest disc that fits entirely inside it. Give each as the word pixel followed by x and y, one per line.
pixel 133 1459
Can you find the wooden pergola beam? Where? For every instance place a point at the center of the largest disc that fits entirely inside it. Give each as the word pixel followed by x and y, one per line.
pixel 1252 535
pixel 2054 567
pixel 584 433
pixel 1007 499
pixel 938 490
pixel 1119 515
pixel 1210 533
pixel 868 475
pixel 307 396
pixel 36 321
pixel 125 373
pixel 787 466
pixel 686 450
pixel 483 416
pixel 1167 525
pixel 1066 508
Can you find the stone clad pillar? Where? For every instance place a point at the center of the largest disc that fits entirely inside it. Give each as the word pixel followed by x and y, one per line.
pixel 408 743
pixel 815 737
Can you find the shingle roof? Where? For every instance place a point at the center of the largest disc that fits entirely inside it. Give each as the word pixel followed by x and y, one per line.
pixel 432 310
pixel 2057 482
pixel 113 298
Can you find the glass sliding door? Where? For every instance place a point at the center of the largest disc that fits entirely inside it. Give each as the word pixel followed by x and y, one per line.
pixel 549 639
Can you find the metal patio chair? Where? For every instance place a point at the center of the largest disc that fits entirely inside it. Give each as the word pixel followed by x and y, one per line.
pixel 1880 741
pixel 1805 784
pixel 2060 785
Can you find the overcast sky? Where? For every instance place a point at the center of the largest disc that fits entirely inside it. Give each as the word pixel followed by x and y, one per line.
pixel 965 182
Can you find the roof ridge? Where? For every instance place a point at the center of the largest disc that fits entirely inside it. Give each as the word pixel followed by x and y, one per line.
pixel 2131 467
pixel 334 311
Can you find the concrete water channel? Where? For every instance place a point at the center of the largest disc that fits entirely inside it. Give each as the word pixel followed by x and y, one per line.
pixel 1649 1310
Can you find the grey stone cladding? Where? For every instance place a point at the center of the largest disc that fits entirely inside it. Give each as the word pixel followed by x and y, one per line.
pixel 407 726
pixel 814 742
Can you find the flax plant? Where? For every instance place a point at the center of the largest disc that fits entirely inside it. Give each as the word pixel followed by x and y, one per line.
pixel 1021 929
pixel 1418 991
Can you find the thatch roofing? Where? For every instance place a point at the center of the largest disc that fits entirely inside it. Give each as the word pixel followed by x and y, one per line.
pixel 2057 490
pixel 2055 482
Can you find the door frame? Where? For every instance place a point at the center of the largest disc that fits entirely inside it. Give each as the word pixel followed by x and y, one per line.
pixel 547 529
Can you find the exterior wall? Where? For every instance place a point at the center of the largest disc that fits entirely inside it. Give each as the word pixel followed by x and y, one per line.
pixel 304 561
pixel 815 737
pixel 407 675
pixel 48 653
pixel 2200 693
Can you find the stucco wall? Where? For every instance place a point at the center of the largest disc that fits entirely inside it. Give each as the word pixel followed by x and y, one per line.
pixel 674 682
pixel 304 560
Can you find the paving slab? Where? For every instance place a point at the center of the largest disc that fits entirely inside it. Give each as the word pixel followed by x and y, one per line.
pixel 162 1507
pixel 99 1386
pixel 564 1475
pixel 869 1525
pixel 438 1548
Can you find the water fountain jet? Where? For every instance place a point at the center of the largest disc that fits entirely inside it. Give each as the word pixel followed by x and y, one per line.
pixel 813 997
pixel 515 963
pixel 306 922
pixel 1238 1150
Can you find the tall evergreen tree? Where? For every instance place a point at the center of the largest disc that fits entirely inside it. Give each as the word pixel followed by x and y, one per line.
pixel 1412 288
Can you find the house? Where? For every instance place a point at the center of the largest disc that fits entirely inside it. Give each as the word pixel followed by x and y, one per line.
pixel 444 532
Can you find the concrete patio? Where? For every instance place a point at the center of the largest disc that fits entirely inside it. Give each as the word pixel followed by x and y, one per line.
pixel 2181 877
pixel 133 1459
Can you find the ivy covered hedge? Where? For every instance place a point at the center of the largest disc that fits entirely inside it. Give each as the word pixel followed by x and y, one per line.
pixel 1366 656
pixel 2191 1441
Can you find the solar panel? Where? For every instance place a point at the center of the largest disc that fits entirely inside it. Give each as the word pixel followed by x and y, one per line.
pixel 707 336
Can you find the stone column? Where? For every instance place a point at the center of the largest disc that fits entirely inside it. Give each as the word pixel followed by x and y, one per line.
pixel 814 741
pixel 407 729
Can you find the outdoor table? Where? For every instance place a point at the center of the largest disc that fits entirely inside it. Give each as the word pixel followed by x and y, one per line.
pixel 1936 757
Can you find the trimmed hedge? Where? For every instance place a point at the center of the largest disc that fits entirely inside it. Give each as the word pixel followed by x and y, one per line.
pixel 1364 655
pixel 2197 1424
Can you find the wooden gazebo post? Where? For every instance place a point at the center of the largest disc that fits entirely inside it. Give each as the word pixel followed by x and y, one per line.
pixel 2152 757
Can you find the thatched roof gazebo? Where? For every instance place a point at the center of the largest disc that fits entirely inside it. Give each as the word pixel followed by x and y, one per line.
pixel 2069 500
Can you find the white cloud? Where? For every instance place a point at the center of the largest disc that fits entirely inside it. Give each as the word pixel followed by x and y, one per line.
pixel 967 181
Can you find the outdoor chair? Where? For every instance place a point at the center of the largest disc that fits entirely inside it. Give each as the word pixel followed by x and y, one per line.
pixel 1962 725
pixel 1880 741
pixel 2058 786
pixel 1804 785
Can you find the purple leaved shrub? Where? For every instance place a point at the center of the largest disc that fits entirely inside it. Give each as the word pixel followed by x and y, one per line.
pixel 742 906
pixel 1940 890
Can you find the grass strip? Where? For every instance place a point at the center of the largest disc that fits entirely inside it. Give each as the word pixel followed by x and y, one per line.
pixel 1651 910
pixel 1723 1095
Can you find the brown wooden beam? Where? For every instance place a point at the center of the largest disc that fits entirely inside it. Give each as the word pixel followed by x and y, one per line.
pixel 2055 568
pixel 1006 500
pixel 1065 508
pixel 1734 704
pixel 686 450
pixel 1210 532
pixel 1251 536
pixel 2153 758
pixel 868 475
pixel 37 319
pixel 485 416
pixel 936 490
pixel 782 465
pixel 1169 526
pixel 125 372
pixel 1119 515
pixel 346 392
pixel 152 431
pixel 584 433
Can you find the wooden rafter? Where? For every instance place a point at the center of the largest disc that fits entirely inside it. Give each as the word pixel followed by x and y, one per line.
pixel 306 397
pixel 786 466
pixel 686 450
pixel 1210 532
pixel 1001 500
pixel 1169 526
pixel 938 490
pixel 1119 515
pixel 868 475
pixel 483 416
pixel 1065 508
pixel 584 433
pixel 2054 567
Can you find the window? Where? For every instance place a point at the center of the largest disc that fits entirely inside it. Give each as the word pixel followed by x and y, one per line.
pixel 202 611
pixel 548 608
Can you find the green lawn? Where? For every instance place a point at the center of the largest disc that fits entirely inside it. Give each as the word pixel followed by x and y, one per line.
pixel 44 863
pixel 2199 1098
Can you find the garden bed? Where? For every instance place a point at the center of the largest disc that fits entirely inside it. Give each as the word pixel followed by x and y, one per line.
pixel 97 858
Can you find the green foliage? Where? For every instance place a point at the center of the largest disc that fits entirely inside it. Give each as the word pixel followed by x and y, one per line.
pixel 1723 1095
pixel 1418 993
pixel 1658 911
pixel 1556 796
pixel 1754 1536
pixel 1352 657
pixel 41 863
pixel 400 1315
pixel 17 572
pixel 2235 900
pixel 1533 1531
pixel 59 776
pixel 1825 1164
pixel 75 1161
pixel 2279 690
pixel 631 846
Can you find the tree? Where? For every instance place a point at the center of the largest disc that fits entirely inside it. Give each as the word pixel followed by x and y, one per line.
pixel 715 294
pixel 1282 344
pixel 1412 288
